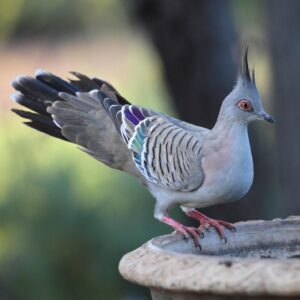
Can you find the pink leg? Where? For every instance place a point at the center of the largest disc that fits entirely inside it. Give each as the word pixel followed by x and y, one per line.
pixel 206 222
pixel 185 230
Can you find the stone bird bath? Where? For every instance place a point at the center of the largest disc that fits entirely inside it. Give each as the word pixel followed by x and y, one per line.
pixel 260 261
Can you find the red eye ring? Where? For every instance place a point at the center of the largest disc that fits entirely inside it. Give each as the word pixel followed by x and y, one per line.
pixel 245 105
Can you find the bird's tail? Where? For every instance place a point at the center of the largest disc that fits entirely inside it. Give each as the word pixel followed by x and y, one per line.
pixel 75 111
pixel 40 92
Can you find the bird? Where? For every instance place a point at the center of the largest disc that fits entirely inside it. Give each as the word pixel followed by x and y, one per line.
pixel 180 164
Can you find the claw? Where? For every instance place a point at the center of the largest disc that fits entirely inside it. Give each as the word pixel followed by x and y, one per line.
pixel 233 229
pixel 207 223
pixel 194 233
pixel 184 230
pixel 226 224
pixel 198 248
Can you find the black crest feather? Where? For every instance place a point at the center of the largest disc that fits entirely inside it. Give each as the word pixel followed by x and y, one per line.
pixel 247 76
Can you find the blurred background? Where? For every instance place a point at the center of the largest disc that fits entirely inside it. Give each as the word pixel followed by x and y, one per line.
pixel 65 219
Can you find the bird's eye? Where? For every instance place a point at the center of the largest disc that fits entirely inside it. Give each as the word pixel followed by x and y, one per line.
pixel 245 105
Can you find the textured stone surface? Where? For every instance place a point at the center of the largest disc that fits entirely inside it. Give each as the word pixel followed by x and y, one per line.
pixel 260 259
pixel 159 294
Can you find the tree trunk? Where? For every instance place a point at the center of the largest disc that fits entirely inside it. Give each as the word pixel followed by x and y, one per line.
pixel 195 40
pixel 283 28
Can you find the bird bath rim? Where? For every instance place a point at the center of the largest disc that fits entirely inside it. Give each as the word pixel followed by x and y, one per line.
pixel 168 263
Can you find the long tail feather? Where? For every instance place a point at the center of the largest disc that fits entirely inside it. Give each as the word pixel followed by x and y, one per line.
pixel 40 92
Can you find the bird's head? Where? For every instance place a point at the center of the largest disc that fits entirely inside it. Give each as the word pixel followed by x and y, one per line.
pixel 243 104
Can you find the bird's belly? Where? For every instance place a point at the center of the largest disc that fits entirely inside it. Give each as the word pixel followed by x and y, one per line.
pixel 230 184
pixel 226 184
pixel 228 181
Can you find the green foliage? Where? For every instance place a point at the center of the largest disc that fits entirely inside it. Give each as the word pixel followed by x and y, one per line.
pixel 58 18
pixel 66 220
pixel 10 11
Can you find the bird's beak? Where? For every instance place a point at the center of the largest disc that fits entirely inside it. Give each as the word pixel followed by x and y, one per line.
pixel 266 117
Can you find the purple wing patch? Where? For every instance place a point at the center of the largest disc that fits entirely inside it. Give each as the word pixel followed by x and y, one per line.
pixel 130 116
pixel 133 114
pixel 137 113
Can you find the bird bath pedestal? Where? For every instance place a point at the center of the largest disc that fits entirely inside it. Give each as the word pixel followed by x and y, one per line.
pixel 259 261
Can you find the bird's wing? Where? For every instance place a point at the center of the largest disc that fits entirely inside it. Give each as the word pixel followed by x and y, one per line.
pixel 78 114
pixel 165 153
pixel 93 115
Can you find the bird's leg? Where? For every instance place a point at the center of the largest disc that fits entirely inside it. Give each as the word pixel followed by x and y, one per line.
pixel 185 230
pixel 206 222
pixel 160 213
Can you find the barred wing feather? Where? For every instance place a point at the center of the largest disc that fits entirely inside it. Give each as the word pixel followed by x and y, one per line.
pixel 165 153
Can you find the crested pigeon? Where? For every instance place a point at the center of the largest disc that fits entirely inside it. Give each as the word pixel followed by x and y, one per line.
pixel 179 163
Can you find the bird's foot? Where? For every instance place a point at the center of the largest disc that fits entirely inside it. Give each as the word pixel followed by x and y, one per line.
pixel 185 230
pixel 206 222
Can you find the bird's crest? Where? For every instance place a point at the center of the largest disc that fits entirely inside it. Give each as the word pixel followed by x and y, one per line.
pixel 247 75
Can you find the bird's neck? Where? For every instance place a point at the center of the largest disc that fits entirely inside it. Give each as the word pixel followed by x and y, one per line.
pixel 233 135
pixel 229 121
pixel 226 126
